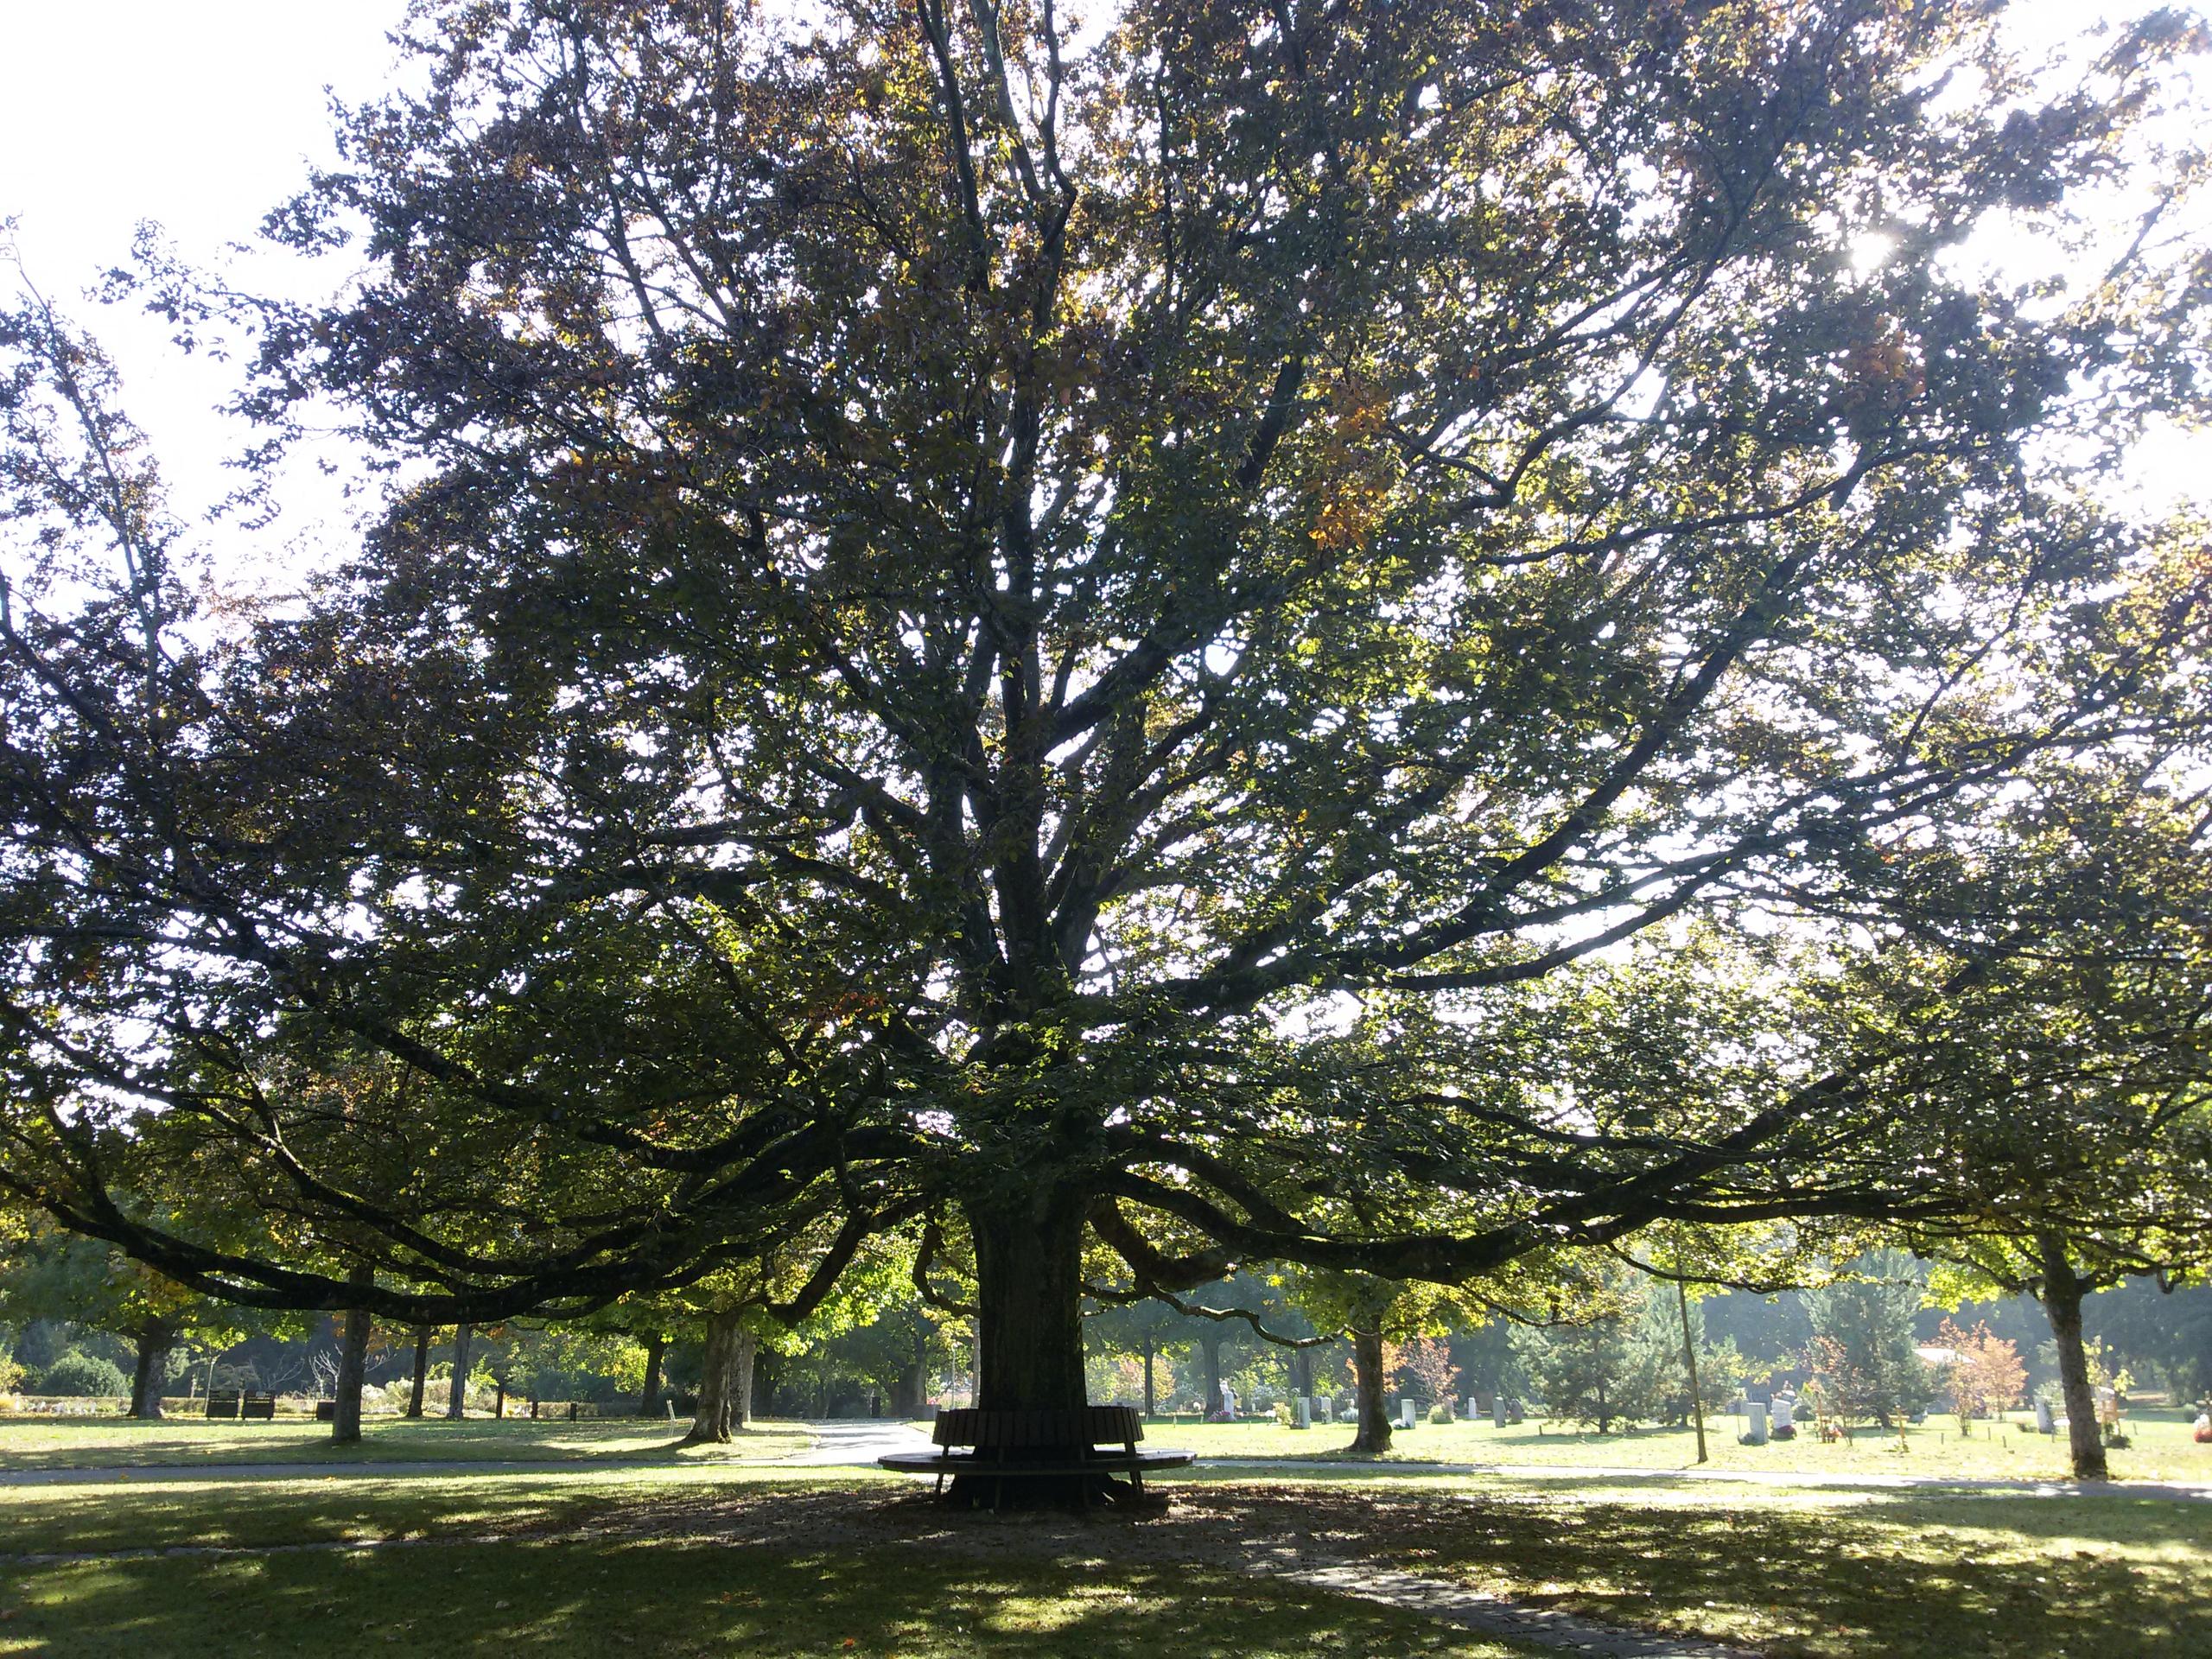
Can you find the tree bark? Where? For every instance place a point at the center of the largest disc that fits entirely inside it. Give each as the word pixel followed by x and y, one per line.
pixel 457 1401
pixel 648 1399
pixel 1374 1436
pixel 1301 1373
pixel 421 1370
pixel 352 1367
pixel 155 1339
pixel 725 1383
pixel 1689 1360
pixel 1209 1358
pixel 1150 1399
pixel 2061 1302
pixel 1029 1305
pixel 1029 1340
pixel 768 1375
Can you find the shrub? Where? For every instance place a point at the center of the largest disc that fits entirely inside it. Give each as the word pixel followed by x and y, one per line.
pixel 1441 1413
pixel 81 1375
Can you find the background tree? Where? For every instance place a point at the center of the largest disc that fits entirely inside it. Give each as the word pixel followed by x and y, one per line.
pixel 53 1276
pixel 1984 1375
pixel 1863 1354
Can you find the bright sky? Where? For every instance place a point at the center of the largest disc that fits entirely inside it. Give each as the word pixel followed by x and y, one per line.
pixel 201 115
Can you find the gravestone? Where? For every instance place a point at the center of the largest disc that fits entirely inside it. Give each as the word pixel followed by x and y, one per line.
pixel 1755 1422
pixel 1325 1407
pixel 1474 1408
pixel 2045 1423
pixel 1785 1412
pixel 1301 1413
pixel 1497 1411
pixel 1513 1410
pixel 1406 1418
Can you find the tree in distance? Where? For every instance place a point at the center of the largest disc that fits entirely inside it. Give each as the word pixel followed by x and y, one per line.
pixel 1061 644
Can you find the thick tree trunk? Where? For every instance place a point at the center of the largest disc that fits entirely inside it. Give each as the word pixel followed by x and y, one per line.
pixel 648 1399
pixel 154 1338
pixel 1374 1437
pixel 725 1383
pixel 352 1367
pixel 457 1401
pixel 2061 1302
pixel 1029 1305
pixel 1029 1339
pixel 421 1370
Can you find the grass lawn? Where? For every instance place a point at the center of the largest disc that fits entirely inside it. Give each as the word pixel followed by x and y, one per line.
pixel 1905 1577
pixel 108 1442
pixel 752 1559
pixel 2162 1448
pixel 683 1598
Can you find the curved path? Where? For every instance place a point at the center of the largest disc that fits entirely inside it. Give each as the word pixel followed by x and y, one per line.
pixel 857 1442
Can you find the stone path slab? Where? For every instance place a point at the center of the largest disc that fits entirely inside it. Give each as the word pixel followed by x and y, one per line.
pixel 1478 1610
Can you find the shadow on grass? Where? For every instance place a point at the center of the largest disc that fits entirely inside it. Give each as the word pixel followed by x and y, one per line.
pixel 100 1443
pixel 1916 1577
pixel 689 1599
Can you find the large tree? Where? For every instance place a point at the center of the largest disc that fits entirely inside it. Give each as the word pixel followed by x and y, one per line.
pixel 1005 635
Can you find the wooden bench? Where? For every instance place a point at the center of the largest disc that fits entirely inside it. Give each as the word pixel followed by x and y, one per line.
pixel 1022 1445
pixel 245 1404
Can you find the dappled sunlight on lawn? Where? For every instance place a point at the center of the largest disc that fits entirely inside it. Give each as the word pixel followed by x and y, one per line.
pixel 110 1442
pixel 679 1599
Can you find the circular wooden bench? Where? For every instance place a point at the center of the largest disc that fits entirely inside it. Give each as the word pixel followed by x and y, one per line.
pixel 1003 1445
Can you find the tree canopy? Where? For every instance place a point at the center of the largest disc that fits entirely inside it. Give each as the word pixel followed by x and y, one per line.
pixel 1029 638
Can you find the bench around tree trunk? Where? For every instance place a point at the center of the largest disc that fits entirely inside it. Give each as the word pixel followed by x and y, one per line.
pixel 1002 1445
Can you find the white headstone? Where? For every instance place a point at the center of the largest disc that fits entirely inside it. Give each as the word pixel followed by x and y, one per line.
pixel 1474 1410
pixel 1405 1412
pixel 1755 1422
pixel 1785 1412
pixel 1301 1412
pixel 2045 1423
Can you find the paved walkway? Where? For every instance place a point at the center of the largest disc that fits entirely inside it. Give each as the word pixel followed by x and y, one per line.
pixel 836 1444
pixel 2188 1492
pixel 849 1442
pixel 1478 1609
pixel 859 1440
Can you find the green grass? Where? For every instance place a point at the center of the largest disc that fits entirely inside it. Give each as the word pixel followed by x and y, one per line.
pixel 757 1559
pixel 111 1442
pixel 685 1599
pixel 245 1513
pixel 2162 1448
pixel 1908 1578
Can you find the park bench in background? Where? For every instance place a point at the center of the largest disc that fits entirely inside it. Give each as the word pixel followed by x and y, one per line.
pixel 1003 1445
pixel 245 1405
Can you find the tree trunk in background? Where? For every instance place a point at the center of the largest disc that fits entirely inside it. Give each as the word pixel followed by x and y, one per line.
pixel 1374 1437
pixel 2061 1302
pixel 457 1401
pixel 421 1370
pixel 1209 1365
pixel 648 1401
pixel 725 1381
pixel 352 1367
pixel 154 1338
pixel 768 1375
pixel 1301 1372
pixel 1151 1397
